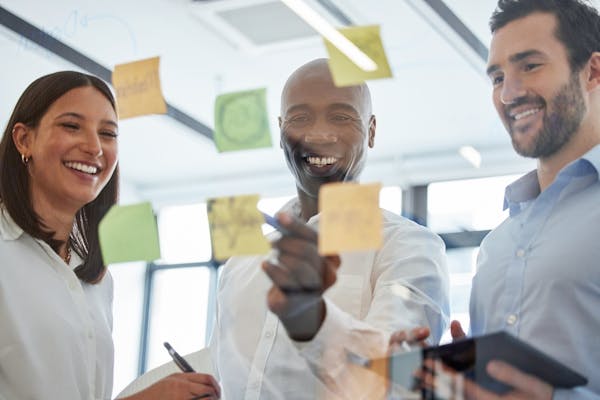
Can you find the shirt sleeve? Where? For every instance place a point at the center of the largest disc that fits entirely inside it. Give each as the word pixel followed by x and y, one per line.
pixel 575 394
pixel 409 289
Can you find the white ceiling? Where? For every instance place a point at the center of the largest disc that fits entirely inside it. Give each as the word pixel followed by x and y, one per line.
pixel 438 100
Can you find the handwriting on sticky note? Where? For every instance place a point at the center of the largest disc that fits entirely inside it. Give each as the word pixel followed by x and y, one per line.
pixel 367 39
pixel 138 88
pixel 129 233
pixel 235 227
pixel 350 218
pixel 242 121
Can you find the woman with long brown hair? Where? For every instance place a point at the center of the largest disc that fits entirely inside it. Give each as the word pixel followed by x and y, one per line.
pixel 58 177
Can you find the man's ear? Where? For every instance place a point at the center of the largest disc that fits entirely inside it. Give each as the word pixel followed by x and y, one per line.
pixel 372 127
pixel 280 122
pixel 593 73
pixel 22 136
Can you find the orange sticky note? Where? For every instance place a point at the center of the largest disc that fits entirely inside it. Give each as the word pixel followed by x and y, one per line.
pixel 138 88
pixel 350 218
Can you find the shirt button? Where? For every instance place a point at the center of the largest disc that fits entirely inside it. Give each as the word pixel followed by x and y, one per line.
pixel 269 335
pixel 512 318
pixel 72 285
pixel 520 253
pixel 254 385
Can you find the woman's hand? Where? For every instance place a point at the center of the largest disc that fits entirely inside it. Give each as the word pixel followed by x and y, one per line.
pixel 181 386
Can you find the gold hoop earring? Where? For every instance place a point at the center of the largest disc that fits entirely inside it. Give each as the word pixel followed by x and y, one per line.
pixel 24 159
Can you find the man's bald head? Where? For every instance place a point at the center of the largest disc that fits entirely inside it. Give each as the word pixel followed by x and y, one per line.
pixel 316 73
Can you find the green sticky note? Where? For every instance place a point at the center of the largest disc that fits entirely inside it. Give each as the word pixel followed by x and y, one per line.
pixel 129 233
pixel 235 227
pixel 241 121
pixel 368 40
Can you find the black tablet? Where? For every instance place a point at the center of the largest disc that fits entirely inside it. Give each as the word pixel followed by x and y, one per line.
pixel 471 356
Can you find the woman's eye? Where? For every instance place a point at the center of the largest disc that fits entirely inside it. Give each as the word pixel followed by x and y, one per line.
pixel 70 126
pixel 109 134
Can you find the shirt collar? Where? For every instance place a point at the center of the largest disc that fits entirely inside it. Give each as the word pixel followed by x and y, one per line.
pixel 9 230
pixel 527 188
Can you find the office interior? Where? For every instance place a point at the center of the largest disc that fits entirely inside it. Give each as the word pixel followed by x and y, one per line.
pixel 441 153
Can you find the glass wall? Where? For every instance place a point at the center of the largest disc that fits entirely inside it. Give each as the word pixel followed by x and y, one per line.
pixel 180 289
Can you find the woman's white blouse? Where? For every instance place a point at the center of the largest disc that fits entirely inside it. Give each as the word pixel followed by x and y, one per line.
pixel 55 331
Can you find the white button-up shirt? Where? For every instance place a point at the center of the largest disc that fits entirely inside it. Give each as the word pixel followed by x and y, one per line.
pixel 55 331
pixel 400 286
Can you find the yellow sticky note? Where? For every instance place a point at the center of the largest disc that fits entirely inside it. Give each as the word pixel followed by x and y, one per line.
pixel 367 39
pixel 138 88
pixel 350 218
pixel 235 227
pixel 129 233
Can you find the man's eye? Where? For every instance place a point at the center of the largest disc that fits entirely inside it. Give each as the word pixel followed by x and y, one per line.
pixel 298 118
pixel 529 67
pixel 496 80
pixel 341 117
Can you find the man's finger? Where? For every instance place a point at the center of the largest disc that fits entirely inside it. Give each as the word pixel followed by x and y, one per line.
pixel 456 330
pixel 304 274
pixel 280 276
pixel 520 381
pixel 297 247
pixel 296 227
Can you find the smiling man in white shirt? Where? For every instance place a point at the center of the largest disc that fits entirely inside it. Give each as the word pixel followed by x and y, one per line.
pixel 284 322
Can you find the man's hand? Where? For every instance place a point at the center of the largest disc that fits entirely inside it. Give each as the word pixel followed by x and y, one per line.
pixel 299 277
pixel 412 337
pixel 525 387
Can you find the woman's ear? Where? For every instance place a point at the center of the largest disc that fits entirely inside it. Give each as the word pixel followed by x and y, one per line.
pixel 22 136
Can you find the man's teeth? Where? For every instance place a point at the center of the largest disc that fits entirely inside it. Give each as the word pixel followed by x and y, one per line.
pixel 88 169
pixel 320 161
pixel 524 114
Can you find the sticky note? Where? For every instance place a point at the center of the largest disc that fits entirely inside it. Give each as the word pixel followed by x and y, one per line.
pixel 350 218
pixel 138 88
pixel 241 121
pixel 235 227
pixel 129 233
pixel 367 39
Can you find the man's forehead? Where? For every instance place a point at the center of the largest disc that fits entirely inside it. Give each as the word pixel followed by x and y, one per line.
pixel 319 96
pixel 531 34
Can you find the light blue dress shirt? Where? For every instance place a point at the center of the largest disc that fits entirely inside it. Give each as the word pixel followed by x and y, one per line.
pixel 538 273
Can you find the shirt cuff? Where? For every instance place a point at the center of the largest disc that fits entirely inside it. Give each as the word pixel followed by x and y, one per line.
pixel 335 323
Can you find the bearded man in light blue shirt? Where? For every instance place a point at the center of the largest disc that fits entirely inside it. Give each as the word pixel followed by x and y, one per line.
pixel 538 273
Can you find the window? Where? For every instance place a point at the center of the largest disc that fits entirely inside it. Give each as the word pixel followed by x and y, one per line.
pixel 462 206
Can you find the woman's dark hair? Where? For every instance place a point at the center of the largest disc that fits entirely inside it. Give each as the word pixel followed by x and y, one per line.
pixel 14 176
pixel 578 27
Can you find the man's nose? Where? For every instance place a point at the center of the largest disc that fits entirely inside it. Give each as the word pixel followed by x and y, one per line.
pixel 512 90
pixel 320 132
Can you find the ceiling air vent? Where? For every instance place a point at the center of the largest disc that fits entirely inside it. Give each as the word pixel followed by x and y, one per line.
pixel 258 25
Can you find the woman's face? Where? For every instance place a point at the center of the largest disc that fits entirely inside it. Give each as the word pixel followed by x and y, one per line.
pixel 73 150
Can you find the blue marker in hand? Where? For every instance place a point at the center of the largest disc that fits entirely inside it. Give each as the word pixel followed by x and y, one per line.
pixel 274 223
